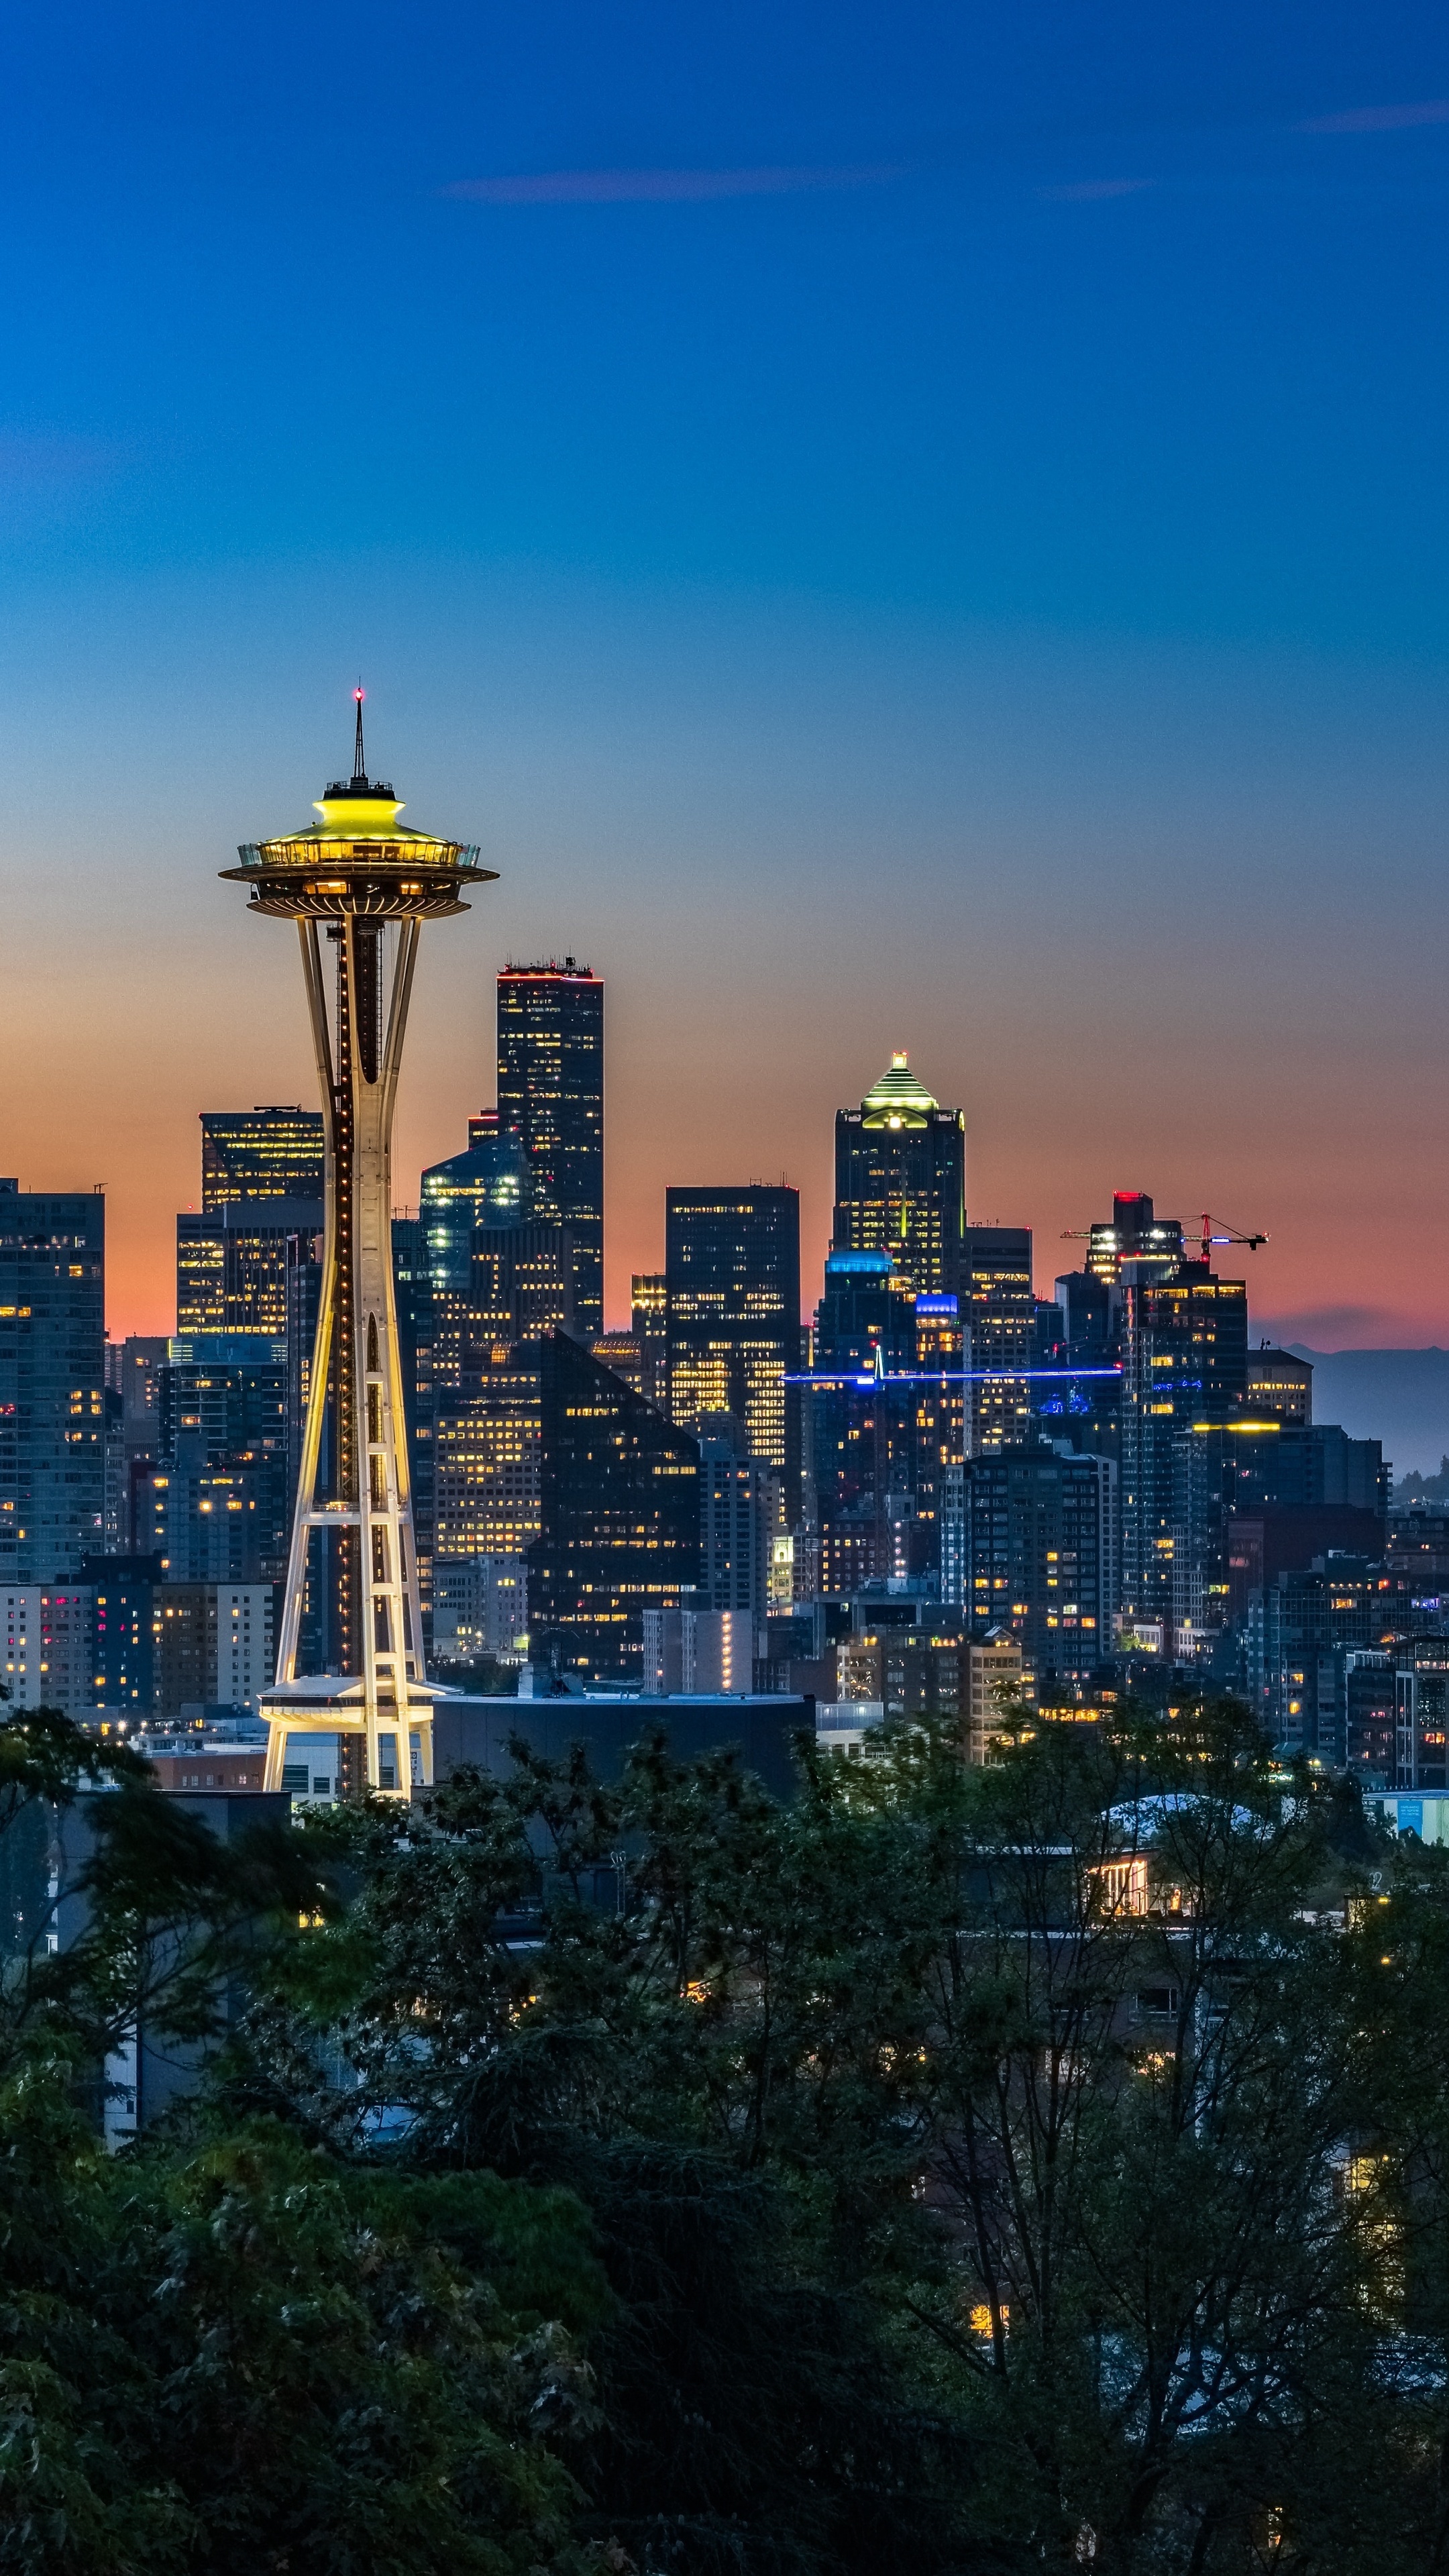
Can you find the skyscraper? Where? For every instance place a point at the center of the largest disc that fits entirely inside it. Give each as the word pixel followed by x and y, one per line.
pixel 1184 1373
pixel 619 1518
pixel 52 1382
pixel 232 1264
pixel 485 1185
pixel 1136 1233
pixel 649 1318
pixel 900 1178
pixel 551 1101
pixel 1040 1554
pixel 732 1299
pixel 999 1311
pixel 260 1154
pixel 373 882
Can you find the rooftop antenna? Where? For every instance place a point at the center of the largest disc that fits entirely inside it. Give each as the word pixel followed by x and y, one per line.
pixel 359 765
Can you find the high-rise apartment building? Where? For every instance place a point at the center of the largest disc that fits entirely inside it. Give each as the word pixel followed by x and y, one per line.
pixel 123 1591
pixel 732 1292
pixel 212 1645
pixel 619 1518
pixel 900 1179
pixel 49 1658
pixel 260 1154
pixel 551 1102
pixel 1184 1375
pixel 1039 1554
pixel 736 1523
pixel 999 1309
pixel 52 1382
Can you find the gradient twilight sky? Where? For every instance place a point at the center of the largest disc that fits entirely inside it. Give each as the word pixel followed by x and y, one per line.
pixel 912 525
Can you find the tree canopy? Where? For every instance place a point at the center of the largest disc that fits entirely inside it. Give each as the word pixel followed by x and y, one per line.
pixel 1033 2166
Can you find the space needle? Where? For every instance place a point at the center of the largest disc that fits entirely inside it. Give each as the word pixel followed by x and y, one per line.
pixel 368 882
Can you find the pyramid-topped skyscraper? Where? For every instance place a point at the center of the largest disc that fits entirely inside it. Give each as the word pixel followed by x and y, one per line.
pixel 900 1179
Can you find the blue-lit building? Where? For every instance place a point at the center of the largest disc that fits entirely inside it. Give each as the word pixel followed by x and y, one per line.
pixel 484 1185
pixel 888 1413
pixel 52 1382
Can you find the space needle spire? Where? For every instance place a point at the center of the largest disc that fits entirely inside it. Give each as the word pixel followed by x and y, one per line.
pixel 350 1645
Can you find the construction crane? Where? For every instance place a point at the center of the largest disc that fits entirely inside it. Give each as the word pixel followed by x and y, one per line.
pixel 1229 1234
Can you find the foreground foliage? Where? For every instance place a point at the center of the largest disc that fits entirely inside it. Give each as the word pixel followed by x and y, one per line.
pixel 1038 2167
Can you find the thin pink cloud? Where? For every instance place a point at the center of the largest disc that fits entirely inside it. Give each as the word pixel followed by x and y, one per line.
pixel 1082 192
pixel 1380 120
pixel 662 187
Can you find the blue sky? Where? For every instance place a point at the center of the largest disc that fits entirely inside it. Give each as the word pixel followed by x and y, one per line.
pixel 916 526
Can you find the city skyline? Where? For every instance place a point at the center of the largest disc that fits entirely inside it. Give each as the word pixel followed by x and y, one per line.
pixel 141 1276
pixel 934 539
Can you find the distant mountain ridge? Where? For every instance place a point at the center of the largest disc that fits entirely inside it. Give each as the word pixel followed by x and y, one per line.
pixel 1398 1397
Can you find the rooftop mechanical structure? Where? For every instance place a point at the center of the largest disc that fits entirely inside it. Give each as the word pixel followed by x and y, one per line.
pixel 366 883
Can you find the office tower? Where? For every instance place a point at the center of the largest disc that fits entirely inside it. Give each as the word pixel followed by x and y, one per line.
pixel 649 1322
pixel 1087 1329
pixel 551 1102
pixel 623 1353
pixel 260 1154
pixel 371 882
pixel 941 1407
pixel 1290 1540
pixel 1079 1337
pixel 232 1264
pixel 1184 1373
pixel 1280 1384
pixel 862 1398
pixel 485 1400
pixel 619 1519
pixel 1136 1233
pixel 212 1499
pixel 732 1304
pixel 518 1282
pixel 521 1283
pixel 900 1179
pixel 486 1463
pixel 486 1185
pixel 1000 1311
pixel 481 1608
pixel 52 1382
pixel 1344 1471
pixel 1041 1555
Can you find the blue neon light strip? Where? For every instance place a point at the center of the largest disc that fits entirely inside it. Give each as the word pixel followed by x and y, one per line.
pixel 937 1377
